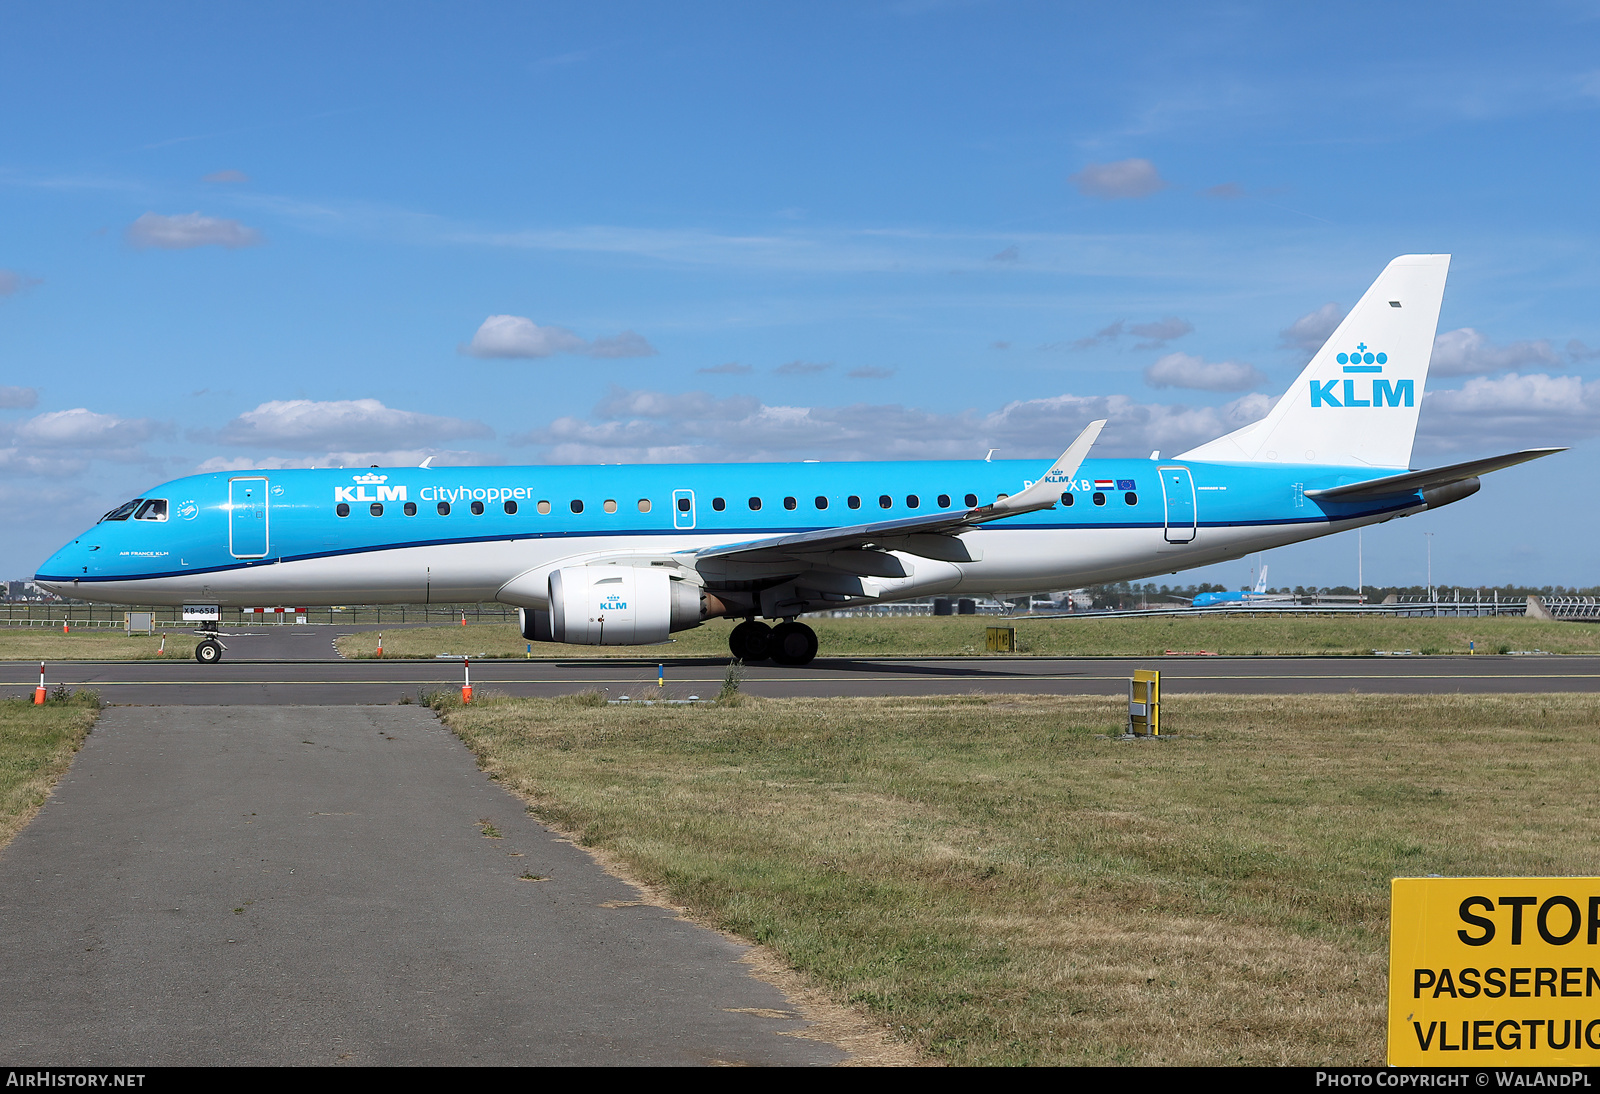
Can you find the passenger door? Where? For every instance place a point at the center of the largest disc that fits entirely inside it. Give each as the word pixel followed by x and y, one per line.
pixel 247 517
pixel 1177 487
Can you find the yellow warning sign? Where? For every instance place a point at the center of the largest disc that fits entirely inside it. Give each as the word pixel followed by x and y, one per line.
pixel 1494 970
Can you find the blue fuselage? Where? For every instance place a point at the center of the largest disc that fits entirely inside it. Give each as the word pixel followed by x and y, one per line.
pixel 392 535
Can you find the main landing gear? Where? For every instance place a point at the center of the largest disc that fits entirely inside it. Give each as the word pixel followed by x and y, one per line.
pixel 789 643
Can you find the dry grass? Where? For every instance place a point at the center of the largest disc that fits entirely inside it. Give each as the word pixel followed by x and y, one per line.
pixel 36 745
pixel 963 635
pixel 45 644
pixel 1003 886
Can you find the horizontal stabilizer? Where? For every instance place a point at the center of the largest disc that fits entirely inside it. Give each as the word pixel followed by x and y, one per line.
pixel 1410 482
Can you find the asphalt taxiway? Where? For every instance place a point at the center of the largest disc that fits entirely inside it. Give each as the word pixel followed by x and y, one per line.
pixel 323 885
pixel 298 666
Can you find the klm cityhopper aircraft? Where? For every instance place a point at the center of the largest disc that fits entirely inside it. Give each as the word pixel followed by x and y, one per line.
pixel 627 555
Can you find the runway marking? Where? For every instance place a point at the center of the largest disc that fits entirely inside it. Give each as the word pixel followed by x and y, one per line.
pixel 818 679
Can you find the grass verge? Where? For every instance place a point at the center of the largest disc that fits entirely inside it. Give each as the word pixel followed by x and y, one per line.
pixel 41 644
pixel 36 745
pixel 954 636
pixel 1004 886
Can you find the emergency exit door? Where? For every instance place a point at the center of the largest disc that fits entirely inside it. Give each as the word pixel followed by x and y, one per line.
pixel 247 518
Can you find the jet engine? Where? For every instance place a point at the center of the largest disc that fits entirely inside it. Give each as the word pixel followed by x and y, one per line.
pixel 617 606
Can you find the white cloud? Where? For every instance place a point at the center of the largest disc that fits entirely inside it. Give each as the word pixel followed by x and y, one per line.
pixel 1184 370
pixel 732 368
pixel 12 282
pixel 230 175
pixel 63 442
pixel 1133 178
pixel 186 230
pixel 18 398
pixel 803 368
pixel 652 427
pixel 1510 412
pixel 1156 334
pixel 82 428
pixel 1313 328
pixel 1009 254
pixel 1466 352
pixel 404 457
pixel 517 336
pixel 870 372
pixel 305 425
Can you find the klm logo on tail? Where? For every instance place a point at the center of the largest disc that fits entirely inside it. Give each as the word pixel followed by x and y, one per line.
pixel 1342 393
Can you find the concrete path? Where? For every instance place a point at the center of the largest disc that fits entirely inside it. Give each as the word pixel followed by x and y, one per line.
pixel 310 885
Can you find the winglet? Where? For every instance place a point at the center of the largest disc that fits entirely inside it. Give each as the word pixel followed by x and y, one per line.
pixel 1043 494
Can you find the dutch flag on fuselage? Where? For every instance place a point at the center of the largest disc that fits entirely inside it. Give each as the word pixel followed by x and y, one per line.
pixel 1104 484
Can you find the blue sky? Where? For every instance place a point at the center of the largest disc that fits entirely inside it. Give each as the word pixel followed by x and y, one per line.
pixel 536 233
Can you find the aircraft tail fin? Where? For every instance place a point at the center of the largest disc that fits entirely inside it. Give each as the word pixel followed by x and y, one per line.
pixel 1357 402
pixel 1261 586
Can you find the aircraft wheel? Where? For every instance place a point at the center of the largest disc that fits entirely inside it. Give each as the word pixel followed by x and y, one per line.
pixel 208 652
pixel 793 644
pixel 750 640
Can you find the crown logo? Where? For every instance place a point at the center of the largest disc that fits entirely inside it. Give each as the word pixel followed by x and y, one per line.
pixel 1362 357
pixel 368 480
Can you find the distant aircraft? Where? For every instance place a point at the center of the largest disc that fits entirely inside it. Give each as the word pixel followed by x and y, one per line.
pixel 1243 596
pixel 624 555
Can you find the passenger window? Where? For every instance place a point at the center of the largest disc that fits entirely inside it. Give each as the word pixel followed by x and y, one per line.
pixel 411 508
pixel 718 504
pixel 644 505
pixel 609 505
pixel 822 502
pixel 1099 498
pixel 913 502
pixel 971 500
pixel 1131 498
pixel 510 507
pixel 884 501
pixel 1066 499
pixel 789 503
pixel 853 501
pixel 683 505
pixel 342 509
pixel 544 508
pixel 944 501
pixel 477 508
pixel 755 503
pixel 577 506
pixel 154 509
pixel 377 508
pixel 444 509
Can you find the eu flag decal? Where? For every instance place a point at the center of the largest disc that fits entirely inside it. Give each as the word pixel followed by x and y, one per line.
pixel 1126 484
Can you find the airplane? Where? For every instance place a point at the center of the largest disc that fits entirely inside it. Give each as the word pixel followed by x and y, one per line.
pixel 628 555
pixel 1243 596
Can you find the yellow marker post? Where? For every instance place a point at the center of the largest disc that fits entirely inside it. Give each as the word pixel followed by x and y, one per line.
pixel 1000 639
pixel 1144 703
pixel 1494 971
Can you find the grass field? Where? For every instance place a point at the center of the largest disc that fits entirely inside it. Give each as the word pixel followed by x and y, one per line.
pixel 1003 886
pixel 963 635
pixel 41 644
pixel 36 745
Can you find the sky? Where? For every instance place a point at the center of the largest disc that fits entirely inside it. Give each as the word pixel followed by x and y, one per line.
pixel 289 235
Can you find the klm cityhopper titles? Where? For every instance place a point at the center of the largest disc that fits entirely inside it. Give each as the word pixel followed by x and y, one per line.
pixel 627 555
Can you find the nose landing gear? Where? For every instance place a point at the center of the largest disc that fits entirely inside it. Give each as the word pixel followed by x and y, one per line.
pixel 789 643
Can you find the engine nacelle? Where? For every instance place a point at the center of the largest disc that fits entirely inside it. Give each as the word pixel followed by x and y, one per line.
pixel 616 606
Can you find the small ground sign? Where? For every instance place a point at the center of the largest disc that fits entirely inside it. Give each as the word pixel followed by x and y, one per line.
pixel 1494 970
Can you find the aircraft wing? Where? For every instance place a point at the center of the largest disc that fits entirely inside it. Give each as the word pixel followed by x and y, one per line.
pixel 1409 482
pixel 931 535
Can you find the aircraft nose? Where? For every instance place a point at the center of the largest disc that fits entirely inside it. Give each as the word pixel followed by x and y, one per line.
pixel 60 569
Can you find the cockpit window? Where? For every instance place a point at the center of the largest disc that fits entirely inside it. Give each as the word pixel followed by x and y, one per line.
pixel 153 509
pixel 123 512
